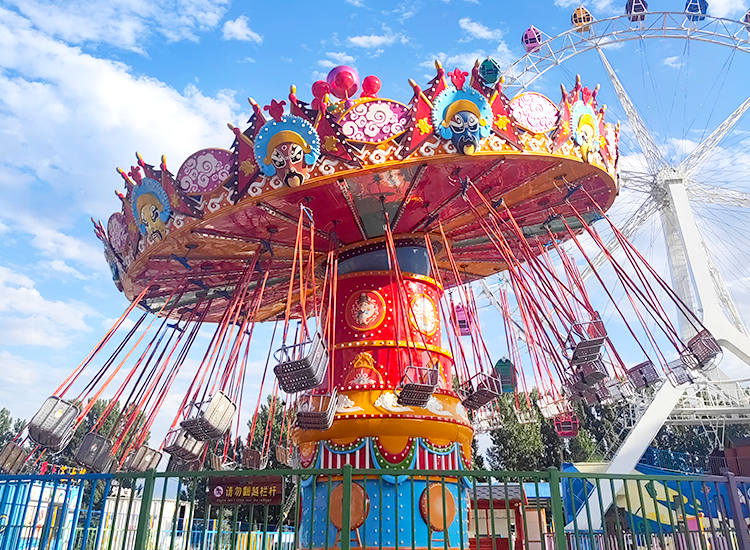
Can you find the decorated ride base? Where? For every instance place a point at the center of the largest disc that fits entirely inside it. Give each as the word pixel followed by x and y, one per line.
pixel 391 199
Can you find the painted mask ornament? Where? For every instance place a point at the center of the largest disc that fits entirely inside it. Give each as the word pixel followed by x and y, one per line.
pixel 585 128
pixel 462 116
pixel 151 209
pixel 287 148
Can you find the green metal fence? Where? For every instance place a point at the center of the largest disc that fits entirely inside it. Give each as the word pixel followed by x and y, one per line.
pixel 384 509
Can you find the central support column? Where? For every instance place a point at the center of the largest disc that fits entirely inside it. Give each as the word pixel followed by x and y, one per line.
pixel 384 330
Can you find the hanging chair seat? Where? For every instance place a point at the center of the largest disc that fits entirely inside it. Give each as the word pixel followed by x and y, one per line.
pixel 302 366
pixel 316 412
pixel 566 424
pixel 417 386
pixel 95 452
pixel 551 407
pixel 213 420
pixel 143 460
pixel 53 425
pixel 176 464
pixel 479 390
pixel 217 463
pixel 251 458
pixel 592 372
pixel 643 375
pixel 12 458
pixel 619 390
pixel 505 371
pixel 702 350
pixel 180 444
pixel 678 372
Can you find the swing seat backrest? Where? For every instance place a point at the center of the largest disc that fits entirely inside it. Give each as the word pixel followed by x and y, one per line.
pixel 302 366
pixel 316 412
pixel 12 458
pixel 53 425
pixel 143 460
pixel 704 348
pixel 184 446
pixel 643 374
pixel 95 452
pixel 214 420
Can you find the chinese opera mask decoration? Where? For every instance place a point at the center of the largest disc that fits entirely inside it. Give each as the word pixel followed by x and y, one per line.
pixel 585 126
pixel 287 147
pixel 151 209
pixel 463 116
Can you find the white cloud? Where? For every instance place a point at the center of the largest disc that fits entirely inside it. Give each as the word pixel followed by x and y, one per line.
pixel 356 3
pixel 376 40
pixel 17 370
pixel 597 5
pixel 335 58
pixel 124 24
pixel 726 8
pixel 479 31
pixel 465 60
pixel 68 118
pixel 239 29
pixel 29 319
pixel 60 266
pixel 674 61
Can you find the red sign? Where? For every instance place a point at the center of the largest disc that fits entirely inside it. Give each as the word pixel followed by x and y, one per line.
pixel 223 491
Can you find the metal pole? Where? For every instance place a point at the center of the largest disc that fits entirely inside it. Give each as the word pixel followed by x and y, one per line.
pixel 144 516
pixel 346 515
pixel 740 527
pixel 558 515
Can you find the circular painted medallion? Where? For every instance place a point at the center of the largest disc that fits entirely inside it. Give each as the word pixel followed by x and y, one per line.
pixel 534 112
pixel 204 171
pixel 423 314
pixel 375 121
pixel 365 310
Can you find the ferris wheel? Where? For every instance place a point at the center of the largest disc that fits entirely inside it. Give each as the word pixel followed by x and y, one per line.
pixel 675 81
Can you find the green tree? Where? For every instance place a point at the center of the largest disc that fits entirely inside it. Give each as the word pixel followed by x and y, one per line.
pixel 9 428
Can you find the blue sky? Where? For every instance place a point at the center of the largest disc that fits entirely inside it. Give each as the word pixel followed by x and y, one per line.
pixel 83 85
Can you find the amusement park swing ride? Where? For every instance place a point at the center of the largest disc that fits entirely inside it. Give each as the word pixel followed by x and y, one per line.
pixel 361 227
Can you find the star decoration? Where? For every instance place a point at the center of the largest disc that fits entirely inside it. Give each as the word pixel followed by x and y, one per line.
pixel 502 121
pixel 424 126
pixel 330 143
pixel 247 167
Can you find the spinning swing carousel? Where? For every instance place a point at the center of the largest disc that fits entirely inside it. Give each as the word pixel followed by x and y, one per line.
pixel 357 224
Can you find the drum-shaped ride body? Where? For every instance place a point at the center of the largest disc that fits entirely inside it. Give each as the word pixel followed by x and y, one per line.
pixel 387 335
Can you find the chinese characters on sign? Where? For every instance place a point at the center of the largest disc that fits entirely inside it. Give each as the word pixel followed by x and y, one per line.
pixel 223 491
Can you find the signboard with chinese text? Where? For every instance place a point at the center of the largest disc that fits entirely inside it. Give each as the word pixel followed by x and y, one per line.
pixel 231 491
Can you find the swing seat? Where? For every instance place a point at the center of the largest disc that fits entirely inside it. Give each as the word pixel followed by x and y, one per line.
pixel 53 425
pixel 592 372
pixel 505 371
pixel 251 458
pixel 143 460
pixel 316 416
pixel 643 375
pixel 302 366
pixel 184 446
pixel 417 386
pixel 619 390
pixel 704 349
pixel 480 390
pixel 678 373
pixel 551 407
pixel 216 463
pixel 95 452
pixel 176 464
pixel 213 421
pixel 566 424
pixel 462 320
pixel 589 347
pixel 12 458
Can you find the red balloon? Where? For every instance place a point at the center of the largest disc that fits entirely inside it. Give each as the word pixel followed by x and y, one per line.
pixel 344 81
pixel 370 86
pixel 320 89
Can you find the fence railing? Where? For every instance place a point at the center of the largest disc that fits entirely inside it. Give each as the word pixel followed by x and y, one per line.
pixel 385 509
